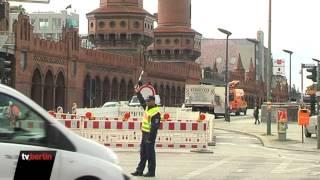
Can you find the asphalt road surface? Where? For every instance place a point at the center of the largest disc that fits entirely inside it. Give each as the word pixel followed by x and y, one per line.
pixel 235 156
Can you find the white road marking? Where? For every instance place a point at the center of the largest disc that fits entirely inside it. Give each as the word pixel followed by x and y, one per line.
pixel 226 143
pixel 235 137
pixel 207 168
pixel 240 171
pixel 282 168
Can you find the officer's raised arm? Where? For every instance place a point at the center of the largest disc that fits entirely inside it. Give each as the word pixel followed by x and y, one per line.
pixel 140 97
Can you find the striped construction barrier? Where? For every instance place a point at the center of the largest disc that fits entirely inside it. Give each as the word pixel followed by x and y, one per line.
pixel 127 134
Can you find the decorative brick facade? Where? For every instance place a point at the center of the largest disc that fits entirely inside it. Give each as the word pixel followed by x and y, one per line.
pixel 59 73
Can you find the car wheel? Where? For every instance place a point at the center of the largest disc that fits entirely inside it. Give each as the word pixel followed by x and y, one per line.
pixel 237 113
pixel 306 133
pixel 88 178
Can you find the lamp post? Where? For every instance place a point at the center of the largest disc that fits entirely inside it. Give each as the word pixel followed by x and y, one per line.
pixel 226 97
pixel 269 71
pixel 318 89
pixel 255 42
pixel 290 53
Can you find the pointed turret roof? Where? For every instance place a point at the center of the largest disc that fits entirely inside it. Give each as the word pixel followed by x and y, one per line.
pixel 239 63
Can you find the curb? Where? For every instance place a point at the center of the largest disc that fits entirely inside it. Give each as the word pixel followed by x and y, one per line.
pixel 241 132
pixel 263 143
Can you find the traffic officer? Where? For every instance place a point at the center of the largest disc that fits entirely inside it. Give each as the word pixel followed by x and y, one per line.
pixel 150 126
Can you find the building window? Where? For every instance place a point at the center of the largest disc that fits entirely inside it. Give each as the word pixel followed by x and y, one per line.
pixel 158 41
pixel 91 24
pixel 168 41
pixel 188 41
pixel 101 24
pixel 123 24
pixel 43 24
pixel 176 41
pixel 23 60
pixel 56 23
pixel 74 68
pixel 136 24
pixel 112 24
pixel 33 21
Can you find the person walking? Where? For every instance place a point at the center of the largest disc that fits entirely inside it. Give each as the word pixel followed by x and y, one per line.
pixel 256 114
pixel 149 128
pixel 74 108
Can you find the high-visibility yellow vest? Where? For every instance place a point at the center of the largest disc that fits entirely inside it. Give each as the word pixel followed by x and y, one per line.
pixel 148 114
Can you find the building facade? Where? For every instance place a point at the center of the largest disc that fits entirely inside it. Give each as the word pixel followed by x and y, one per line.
pixel 242 67
pixel 49 25
pixel 58 73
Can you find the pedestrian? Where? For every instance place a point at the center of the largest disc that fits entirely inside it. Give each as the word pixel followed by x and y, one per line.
pixel 149 128
pixel 74 108
pixel 256 114
pixel 59 109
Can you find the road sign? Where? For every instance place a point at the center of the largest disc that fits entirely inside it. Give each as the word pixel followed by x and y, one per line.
pixel 303 117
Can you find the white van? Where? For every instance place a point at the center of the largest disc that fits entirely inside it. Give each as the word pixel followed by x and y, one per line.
pixel 27 127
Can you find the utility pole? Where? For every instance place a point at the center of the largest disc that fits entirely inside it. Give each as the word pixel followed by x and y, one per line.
pixel 318 94
pixel 269 72
pixel 226 103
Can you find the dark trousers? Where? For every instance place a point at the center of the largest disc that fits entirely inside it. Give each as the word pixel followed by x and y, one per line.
pixel 147 153
pixel 257 119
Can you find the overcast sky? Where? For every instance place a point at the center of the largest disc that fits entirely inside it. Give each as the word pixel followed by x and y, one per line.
pixel 295 23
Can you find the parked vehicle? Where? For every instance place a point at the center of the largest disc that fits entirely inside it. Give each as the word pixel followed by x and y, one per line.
pixel 205 98
pixel 75 156
pixel 211 99
pixel 237 103
pixel 312 127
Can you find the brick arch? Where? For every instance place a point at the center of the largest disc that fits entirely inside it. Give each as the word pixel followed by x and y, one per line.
pixel 36 87
pixel 178 97
pixel 60 90
pixel 106 90
pixel 155 85
pixel 48 94
pixel 98 93
pixel 130 89
pixel 161 93
pixel 123 90
pixel 86 91
pixel 173 96
pixel 115 89
pixel 167 95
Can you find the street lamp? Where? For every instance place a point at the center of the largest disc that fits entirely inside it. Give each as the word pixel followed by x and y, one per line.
pixel 255 42
pixel 226 97
pixel 289 52
pixel 318 89
pixel 269 71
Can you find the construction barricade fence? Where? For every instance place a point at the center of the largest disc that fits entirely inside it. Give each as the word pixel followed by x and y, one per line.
pixel 126 135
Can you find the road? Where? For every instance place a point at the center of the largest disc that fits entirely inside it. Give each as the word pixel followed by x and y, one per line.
pixel 235 156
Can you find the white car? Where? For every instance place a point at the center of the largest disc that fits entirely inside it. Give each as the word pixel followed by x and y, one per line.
pixel 29 134
pixel 312 127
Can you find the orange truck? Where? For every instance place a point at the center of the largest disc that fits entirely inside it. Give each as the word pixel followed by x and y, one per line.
pixel 237 102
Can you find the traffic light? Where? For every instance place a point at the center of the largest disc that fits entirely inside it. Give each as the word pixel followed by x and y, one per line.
pixel 313 75
pixel 6 71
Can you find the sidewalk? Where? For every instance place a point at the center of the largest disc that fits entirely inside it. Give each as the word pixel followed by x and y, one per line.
pixel 247 126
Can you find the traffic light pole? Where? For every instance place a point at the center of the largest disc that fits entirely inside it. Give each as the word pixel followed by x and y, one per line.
pixel 318 94
pixel 318 115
